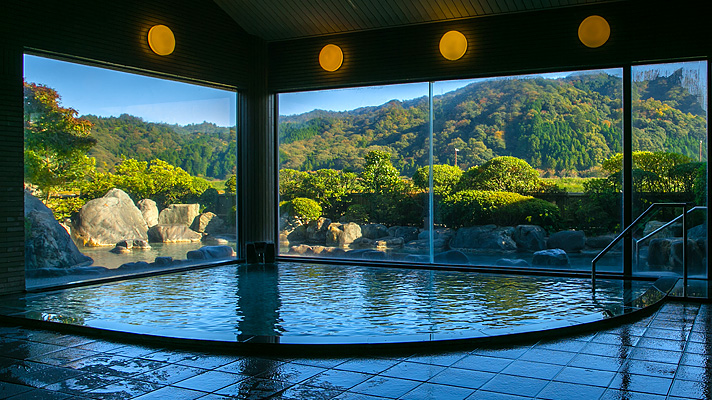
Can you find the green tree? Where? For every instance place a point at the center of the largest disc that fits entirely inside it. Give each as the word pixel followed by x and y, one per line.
pixel 445 178
pixel 56 142
pixel 379 176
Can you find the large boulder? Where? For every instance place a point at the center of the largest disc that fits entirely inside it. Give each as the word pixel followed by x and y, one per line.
pixel 451 257
pixel 423 246
pixel 484 237
pixel 149 210
pixel 374 231
pixel 108 220
pixel 211 253
pixel 208 223
pixel 569 241
pixel 529 237
pixel 599 242
pixel 316 230
pixel 659 253
pixel 550 257
pixel 47 244
pixel 172 234
pixel 671 231
pixel 342 235
pixel 179 214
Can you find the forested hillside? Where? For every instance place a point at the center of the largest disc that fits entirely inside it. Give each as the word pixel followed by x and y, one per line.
pixel 565 125
pixel 204 150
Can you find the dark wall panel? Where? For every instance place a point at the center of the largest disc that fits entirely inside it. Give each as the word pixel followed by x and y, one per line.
pixel 641 31
pixel 210 46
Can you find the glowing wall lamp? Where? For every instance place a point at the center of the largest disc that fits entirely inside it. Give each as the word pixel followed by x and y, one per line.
pixel 161 40
pixel 594 31
pixel 331 57
pixel 453 45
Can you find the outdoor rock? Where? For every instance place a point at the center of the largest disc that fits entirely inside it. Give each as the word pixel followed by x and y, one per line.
pixel 179 214
pixel 363 243
pixel 109 219
pixel 451 257
pixel 569 241
pixel 302 249
pixel 374 231
pixel 316 230
pixel 172 234
pixel 342 234
pixel 211 253
pixel 671 231
pixel 599 242
pixel 163 261
pixel 550 257
pixel 390 243
pixel 484 237
pixel 208 223
pixel 529 237
pixel 659 252
pixel 439 233
pixel 423 245
pixel 132 266
pixel 149 210
pixel 47 244
pixel 408 233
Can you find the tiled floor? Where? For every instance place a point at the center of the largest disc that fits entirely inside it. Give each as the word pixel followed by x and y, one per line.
pixel 665 356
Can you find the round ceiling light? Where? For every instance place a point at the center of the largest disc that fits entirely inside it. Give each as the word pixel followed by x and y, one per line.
pixel 161 40
pixel 453 45
pixel 594 31
pixel 331 57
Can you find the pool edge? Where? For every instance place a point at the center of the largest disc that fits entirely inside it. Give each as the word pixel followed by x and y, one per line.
pixel 637 308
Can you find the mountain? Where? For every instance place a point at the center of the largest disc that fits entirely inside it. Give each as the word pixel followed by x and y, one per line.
pixel 204 150
pixel 572 123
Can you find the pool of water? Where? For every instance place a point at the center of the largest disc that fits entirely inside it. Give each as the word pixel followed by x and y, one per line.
pixel 303 300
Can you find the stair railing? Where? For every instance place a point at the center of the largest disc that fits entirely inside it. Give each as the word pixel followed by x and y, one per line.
pixel 630 227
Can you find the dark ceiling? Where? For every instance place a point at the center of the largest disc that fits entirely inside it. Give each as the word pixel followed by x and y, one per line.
pixel 275 20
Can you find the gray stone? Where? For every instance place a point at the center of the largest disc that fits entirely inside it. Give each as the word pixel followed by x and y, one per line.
pixel 211 253
pixel 389 243
pixel 47 243
pixel 108 220
pixel 366 254
pixel 423 245
pixel 697 232
pixel 179 214
pixel 363 243
pixel 695 256
pixel 415 258
pixel 439 233
pixel 342 235
pixel 208 223
pixel 484 237
pixel 529 237
pixel 374 231
pixel 301 250
pixel 408 233
pixel 512 262
pixel 163 261
pixel 599 242
pixel 569 241
pixel 659 252
pixel 149 210
pixel 551 257
pixel 172 234
pixel 316 230
pixel 451 257
pixel 671 231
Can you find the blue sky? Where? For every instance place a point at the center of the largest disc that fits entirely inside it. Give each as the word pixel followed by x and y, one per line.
pixel 104 92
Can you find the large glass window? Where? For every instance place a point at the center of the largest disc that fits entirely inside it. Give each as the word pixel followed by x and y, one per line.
pixel 124 173
pixel 519 171
pixel 670 164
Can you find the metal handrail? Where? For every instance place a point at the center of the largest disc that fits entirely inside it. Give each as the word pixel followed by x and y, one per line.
pixel 651 234
pixel 632 225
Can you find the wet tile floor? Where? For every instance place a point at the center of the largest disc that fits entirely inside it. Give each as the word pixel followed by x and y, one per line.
pixel 664 356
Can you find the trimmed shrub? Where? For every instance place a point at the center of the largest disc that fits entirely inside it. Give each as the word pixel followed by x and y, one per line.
pixel 481 207
pixel 304 209
pixel 506 174
pixel 445 178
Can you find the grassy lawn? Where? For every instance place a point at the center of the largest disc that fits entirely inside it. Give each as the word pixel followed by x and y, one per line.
pixel 570 185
